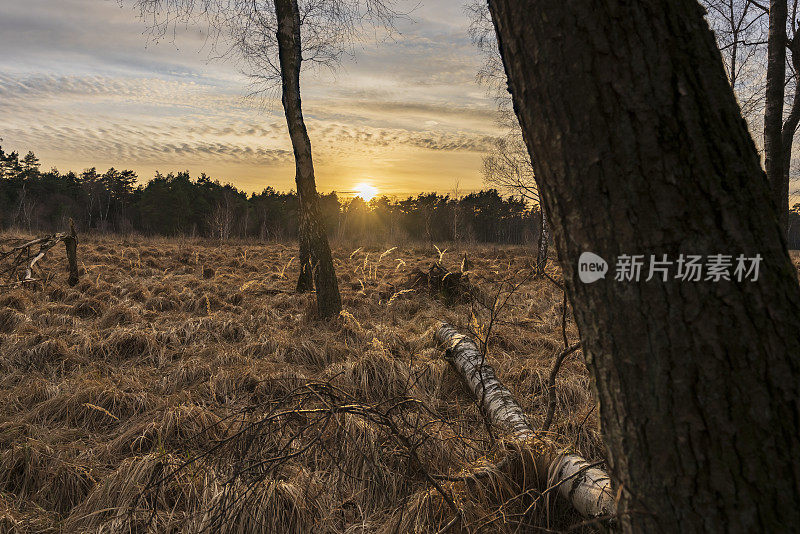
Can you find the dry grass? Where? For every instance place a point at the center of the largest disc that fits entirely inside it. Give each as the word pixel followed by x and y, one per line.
pixel 167 348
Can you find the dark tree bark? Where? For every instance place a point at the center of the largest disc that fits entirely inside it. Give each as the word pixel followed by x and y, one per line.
pixel 315 253
pixel 305 282
pixel 641 149
pixel 71 248
pixel 787 136
pixel 773 111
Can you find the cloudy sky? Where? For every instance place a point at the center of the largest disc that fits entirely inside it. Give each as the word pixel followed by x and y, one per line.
pixel 82 85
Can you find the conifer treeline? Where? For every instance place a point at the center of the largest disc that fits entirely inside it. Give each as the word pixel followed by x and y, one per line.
pixel 175 204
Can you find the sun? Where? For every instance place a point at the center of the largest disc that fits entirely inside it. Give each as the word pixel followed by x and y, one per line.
pixel 366 191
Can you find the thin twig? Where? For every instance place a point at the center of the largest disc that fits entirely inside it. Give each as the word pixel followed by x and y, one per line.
pixel 551 384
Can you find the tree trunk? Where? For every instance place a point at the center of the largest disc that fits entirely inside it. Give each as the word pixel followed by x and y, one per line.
pixel 71 248
pixel 305 282
pixel 787 137
pixel 773 111
pixel 641 149
pixel 586 488
pixel 789 129
pixel 544 241
pixel 315 253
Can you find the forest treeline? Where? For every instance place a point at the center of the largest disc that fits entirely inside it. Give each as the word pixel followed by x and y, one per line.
pixel 176 204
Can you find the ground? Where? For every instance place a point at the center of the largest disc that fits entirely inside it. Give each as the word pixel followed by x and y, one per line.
pixel 193 353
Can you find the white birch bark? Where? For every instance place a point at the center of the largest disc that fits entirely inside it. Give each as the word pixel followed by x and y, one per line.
pixel 588 489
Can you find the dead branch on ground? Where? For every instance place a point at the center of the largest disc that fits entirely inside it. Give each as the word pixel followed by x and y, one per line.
pixel 19 259
pixel 315 419
pixel 452 287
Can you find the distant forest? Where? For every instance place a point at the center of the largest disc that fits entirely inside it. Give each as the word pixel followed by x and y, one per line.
pixel 175 204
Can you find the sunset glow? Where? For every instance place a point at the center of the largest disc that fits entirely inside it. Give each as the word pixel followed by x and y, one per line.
pixel 366 191
pixel 407 110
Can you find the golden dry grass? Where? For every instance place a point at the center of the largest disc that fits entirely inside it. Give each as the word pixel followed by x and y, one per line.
pixel 150 360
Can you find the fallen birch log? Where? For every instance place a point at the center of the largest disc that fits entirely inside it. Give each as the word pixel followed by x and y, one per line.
pixel 586 487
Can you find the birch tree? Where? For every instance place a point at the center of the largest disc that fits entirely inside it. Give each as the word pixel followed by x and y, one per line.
pixel 274 38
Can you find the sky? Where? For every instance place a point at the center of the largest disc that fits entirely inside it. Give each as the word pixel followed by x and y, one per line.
pixel 81 85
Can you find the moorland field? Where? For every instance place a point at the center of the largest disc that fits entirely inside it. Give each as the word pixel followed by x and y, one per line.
pixel 182 385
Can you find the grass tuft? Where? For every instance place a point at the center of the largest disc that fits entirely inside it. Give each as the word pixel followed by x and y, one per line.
pixel 170 348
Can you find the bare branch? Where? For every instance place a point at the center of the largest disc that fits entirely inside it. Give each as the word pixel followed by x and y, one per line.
pixel 245 30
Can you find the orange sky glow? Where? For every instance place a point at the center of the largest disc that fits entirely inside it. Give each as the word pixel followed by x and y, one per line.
pixel 82 86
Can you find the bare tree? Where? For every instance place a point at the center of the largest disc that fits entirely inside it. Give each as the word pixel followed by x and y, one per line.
pixel 273 38
pixel 25 207
pixel 780 121
pixel 221 219
pixel 740 27
pixel 743 38
pixel 773 109
pixel 508 166
pixel 456 195
pixel 641 149
pixel 792 119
